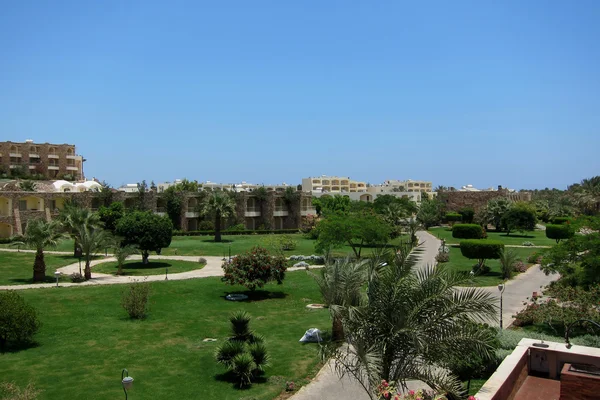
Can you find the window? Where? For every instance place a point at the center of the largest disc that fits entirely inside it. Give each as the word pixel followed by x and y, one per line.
pixel 22 205
pixel 34 160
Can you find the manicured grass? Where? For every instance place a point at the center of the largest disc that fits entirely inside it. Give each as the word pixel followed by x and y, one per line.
pixel 137 268
pixel 538 238
pixel 205 245
pixel 17 268
pixel 459 263
pixel 86 339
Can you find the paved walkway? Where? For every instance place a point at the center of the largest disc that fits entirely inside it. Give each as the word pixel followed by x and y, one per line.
pixel 212 268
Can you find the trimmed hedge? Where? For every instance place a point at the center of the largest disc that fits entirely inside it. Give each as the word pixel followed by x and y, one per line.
pixel 467 231
pixel 244 232
pixel 481 249
pixel 453 217
pixel 560 220
pixel 5 240
pixel 559 232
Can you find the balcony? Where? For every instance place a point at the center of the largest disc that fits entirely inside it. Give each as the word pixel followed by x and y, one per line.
pixel 71 168
pixel 280 211
pixel 53 167
pixel 192 214
pixel 308 211
pixel 14 155
pixel 53 156
pixel 72 157
pixel 34 155
pixel 252 212
pixel 32 167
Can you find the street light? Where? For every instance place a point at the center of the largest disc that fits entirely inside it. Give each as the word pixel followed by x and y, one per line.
pixel 126 381
pixel 57 274
pixel 501 288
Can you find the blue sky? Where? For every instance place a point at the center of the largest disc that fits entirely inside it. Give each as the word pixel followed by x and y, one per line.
pixel 459 92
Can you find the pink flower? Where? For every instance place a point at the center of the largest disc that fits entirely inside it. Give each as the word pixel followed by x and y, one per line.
pixel 411 392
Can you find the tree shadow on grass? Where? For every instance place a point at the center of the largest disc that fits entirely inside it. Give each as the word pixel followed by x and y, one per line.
pixel 229 377
pixel 151 265
pixel 15 347
pixel 213 241
pixel 257 295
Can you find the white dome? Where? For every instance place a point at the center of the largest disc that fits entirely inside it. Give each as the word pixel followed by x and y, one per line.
pixel 62 186
pixel 88 185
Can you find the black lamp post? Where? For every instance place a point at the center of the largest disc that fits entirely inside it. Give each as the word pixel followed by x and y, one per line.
pixel 126 381
pixel 574 323
pixel 501 288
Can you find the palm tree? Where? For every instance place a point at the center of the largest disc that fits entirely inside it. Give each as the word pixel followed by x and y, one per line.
pixel 413 321
pixel 40 234
pixel 340 284
pixel 92 239
pixel 219 205
pixel 121 254
pixel 507 259
pixel 411 226
pixel 72 217
pixel 27 186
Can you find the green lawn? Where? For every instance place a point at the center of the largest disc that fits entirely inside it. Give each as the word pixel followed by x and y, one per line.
pixel 17 268
pixel 156 267
pixel 538 238
pixel 205 246
pixel 459 263
pixel 86 339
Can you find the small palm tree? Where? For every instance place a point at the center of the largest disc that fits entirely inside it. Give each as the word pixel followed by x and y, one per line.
pixel 40 234
pixel 92 240
pixel 341 284
pixel 27 186
pixel 413 322
pixel 508 258
pixel 121 254
pixel 72 218
pixel 219 205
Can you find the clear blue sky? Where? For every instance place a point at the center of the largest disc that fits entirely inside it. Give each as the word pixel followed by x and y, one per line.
pixel 457 92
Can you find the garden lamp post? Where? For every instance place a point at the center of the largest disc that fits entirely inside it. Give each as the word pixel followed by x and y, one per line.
pixel 166 273
pixel 501 288
pixel 126 381
pixel 57 274
pixel 79 265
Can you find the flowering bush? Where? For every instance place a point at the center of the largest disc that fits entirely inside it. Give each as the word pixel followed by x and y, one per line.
pixel 254 268
pixel 442 257
pixel 290 386
pixel 520 266
pixel 388 391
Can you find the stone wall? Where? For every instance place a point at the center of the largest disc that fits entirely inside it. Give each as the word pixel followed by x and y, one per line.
pixel 454 201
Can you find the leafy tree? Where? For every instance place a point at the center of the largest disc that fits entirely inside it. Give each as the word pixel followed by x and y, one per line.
pixel 467 231
pixel 496 208
pixel 481 250
pixel 341 284
pixel 27 186
pixel 559 232
pixel 587 195
pixel 92 240
pixel 40 234
pixel 174 203
pixel 146 230
pixel 18 320
pixel 382 203
pixel 430 213
pixel 105 194
pixel 255 268
pixel 110 216
pixel 121 253
pixel 142 193
pixel 453 217
pixel 467 214
pixel 355 230
pixel 520 217
pixel 413 322
pixel 330 204
pixel 218 205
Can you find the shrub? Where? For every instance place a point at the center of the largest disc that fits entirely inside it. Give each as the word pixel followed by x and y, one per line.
pixel 508 258
pixel 244 353
pixel 453 217
pixel 481 249
pixel 281 243
pixel 18 320
pixel 527 244
pixel 442 257
pixel 520 266
pixel 76 277
pixel 206 226
pixel 467 231
pixel 255 268
pixel 534 258
pixel 521 217
pixel 560 220
pixel 559 232
pixel 237 228
pixel 202 260
pixel 467 214
pixel 135 299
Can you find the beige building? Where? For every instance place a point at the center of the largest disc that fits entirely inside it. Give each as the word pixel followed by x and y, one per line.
pixel 332 184
pixel 408 185
pixel 51 161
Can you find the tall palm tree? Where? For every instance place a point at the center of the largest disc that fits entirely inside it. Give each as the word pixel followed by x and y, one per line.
pixel 92 239
pixel 507 259
pixel 40 234
pixel 341 284
pixel 72 217
pixel 413 321
pixel 219 205
pixel 121 254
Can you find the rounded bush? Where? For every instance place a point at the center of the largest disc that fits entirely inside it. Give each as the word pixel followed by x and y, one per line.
pixel 560 220
pixel 481 249
pixel 18 320
pixel 559 232
pixel 467 231
pixel 453 217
